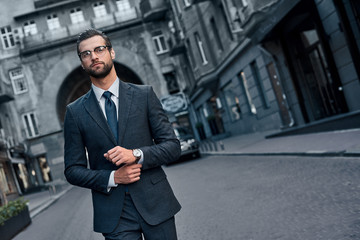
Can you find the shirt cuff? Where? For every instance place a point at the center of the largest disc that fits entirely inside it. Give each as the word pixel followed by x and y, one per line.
pixel 141 158
pixel 111 182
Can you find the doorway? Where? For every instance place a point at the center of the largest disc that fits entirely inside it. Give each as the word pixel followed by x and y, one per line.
pixel 313 69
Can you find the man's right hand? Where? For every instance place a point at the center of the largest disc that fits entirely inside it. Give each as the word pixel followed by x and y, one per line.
pixel 128 174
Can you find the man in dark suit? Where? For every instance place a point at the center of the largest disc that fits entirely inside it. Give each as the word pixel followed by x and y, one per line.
pixel 122 132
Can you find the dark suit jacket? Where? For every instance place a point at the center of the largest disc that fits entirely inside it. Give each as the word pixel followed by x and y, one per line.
pixel 142 124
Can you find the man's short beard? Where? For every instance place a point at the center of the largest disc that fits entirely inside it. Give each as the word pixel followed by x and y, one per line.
pixel 103 73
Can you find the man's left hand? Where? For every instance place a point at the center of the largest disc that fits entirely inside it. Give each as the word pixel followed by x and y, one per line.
pixel 119 155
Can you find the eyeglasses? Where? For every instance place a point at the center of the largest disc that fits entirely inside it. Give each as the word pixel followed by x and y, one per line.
pixel 100 51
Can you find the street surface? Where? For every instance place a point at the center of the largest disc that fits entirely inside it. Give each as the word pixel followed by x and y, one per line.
pixel 238 197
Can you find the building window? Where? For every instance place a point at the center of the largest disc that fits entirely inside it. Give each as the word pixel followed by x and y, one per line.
pixel 245 3
pixel 232 13
pixel 30 28
pixel 201 48
pixel 2 132
pixel 53 22
pixel 159 41
pixel 216 34
pixel 7 183
pixel 177 7
pixel 214 117
pixel 7 37
pixel 3 180
pixel 259 84
pixel 45 169
pixel 171 82
pixel 191 53
pixel 232 102
pixel 187 3
pixel 247 92
pixel 18 81
pixel 125 11
pixel 76 15
pixel 355 4
pixel 224 18
pixel 123 6
pixel 31 125
pixel 99 9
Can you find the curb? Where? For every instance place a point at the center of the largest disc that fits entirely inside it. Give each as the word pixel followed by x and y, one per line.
pixel 309 154
pixel 47 203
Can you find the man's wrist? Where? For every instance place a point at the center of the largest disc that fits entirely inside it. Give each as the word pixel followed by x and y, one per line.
pixel 111 182
pixel 137 153
pixel 141 160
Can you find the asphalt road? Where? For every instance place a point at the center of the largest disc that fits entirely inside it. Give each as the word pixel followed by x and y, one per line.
pixel 247 198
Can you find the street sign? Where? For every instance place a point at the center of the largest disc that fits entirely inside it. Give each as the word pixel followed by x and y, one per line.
pixel 174 103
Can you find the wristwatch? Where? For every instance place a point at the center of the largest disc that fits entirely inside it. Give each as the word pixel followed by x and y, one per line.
pixel 137 154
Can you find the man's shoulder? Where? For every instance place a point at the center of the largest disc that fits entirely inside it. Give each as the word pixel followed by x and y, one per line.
pixel 78 102
pixel 137 87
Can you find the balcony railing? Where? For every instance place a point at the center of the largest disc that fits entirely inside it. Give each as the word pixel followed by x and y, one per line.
pixel 176 44
pixel 104 21
pixel 56 34
pixel 75 29
pixel 42 40
pixel 199 1
pixel 127 15
pixel 153 9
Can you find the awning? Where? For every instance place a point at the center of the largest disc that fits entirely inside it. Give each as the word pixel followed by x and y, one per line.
pixel 37 149
pixel 263 21
pixel 5 98
pixel 17 160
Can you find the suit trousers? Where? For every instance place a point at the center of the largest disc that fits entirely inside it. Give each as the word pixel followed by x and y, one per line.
pixel 132 226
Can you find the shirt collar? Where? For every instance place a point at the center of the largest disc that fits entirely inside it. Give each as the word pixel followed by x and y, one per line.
pixel 114 89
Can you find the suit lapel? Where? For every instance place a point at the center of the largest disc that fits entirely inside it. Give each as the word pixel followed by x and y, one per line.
pixel 125 101
pixel 92 107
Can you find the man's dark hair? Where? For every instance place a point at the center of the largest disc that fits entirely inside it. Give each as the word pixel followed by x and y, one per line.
pixel 91 33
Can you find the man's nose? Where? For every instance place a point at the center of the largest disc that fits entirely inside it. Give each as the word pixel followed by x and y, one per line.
pixel 94 56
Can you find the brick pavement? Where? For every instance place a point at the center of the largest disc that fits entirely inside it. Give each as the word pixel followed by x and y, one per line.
pixel 268 198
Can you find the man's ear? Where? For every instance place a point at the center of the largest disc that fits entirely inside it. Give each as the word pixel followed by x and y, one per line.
pixel 82 65
pixel 112 53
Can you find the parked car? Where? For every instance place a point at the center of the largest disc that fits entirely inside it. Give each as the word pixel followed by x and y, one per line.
pixel 189 145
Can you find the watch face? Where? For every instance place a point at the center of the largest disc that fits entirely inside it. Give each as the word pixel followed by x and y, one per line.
pixel 137 153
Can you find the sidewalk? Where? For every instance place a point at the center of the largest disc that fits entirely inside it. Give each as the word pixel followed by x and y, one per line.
pixel 334 143
pixel 39 201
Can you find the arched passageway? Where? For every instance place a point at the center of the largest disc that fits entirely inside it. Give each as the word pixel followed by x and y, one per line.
pixel 77 83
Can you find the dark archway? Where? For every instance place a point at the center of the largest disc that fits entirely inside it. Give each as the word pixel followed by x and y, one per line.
pixel 77 83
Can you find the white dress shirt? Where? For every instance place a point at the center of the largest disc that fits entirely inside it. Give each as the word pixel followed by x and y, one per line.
pixel 114 89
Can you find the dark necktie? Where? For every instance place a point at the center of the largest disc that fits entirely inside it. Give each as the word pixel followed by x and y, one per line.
pixel 111 113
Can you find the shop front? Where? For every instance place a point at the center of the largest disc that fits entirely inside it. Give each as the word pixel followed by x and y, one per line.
pixel 298 38
pixel 8 189
pixel 209 110
pixel 38 168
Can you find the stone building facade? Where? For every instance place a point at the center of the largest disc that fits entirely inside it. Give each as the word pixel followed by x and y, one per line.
pixel 41 71
pixel 271 64
pixel 220 68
